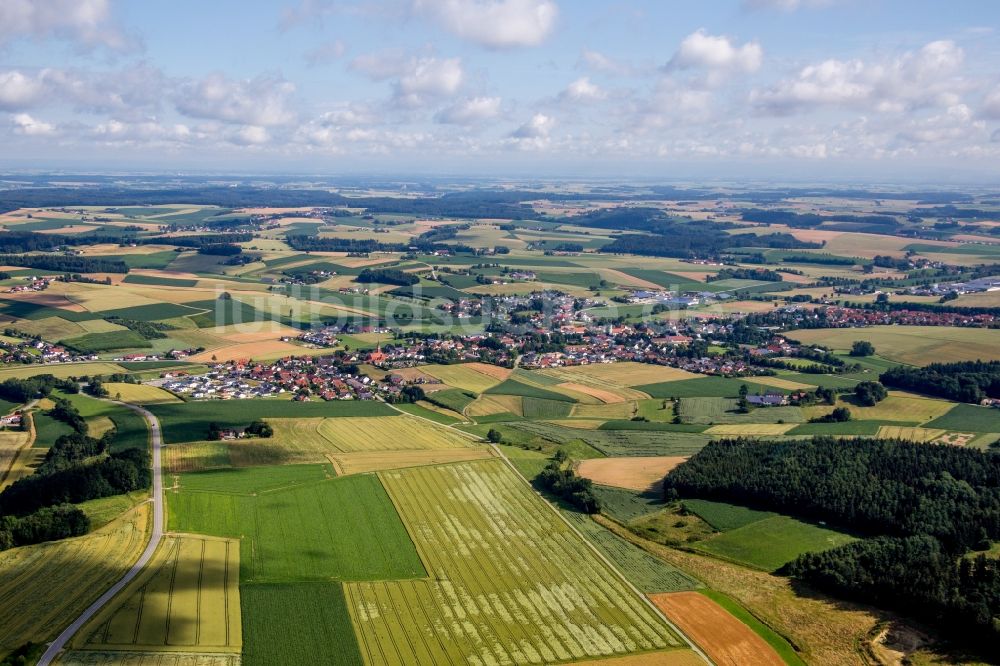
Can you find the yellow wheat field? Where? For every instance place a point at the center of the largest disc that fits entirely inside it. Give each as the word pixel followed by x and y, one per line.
pixel 12 442
pixel 465 377
pixel 147 658
pixel 187 598
pixel 485 405
pixel 43 587
pixel 909 433
pixel 736 430
pixel 140 394
pixel 365 461
pixel 627 373
pixel 387 433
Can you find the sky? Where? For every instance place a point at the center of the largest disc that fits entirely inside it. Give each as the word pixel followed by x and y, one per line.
pixel 886 90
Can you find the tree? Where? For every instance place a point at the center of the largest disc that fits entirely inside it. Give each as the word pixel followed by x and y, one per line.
pixel 862 348
pixel 214 432
pixel 870 393
pixel 494 436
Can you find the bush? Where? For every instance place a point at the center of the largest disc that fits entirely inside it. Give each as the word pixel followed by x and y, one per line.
pixel 870 393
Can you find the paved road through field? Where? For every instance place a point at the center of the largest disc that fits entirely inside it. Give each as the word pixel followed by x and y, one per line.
pixel 60 642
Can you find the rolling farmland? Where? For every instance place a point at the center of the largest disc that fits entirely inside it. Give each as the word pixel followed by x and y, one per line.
pixel 574 606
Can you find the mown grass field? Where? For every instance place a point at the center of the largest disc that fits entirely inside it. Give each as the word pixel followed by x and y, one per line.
pixel 186 597
pixel 968 418
pixel 894 408
pixel 623 374
pixel 139 394
pixel 525 390
pixel 497 581
pixel 620 442
pixel 319 529
pixel 61 370
pixel 43 587
pixel 462 376
pixel 913 345
pixel 724 516
pixel 723 411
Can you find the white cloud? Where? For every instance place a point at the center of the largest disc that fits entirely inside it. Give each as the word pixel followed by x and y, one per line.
pixel 495 24
pixel 262 101
pixel 250 135
pixel 990 107
pixel 599 62
pixel 915 79
pixel 534 134
pixel 718 54
pixel 89 23
pixel 582 90
pixel 470 111
pixel 417 79
pixel 19 91
pixel 28 126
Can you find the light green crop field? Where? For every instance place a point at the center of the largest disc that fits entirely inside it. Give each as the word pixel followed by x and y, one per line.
pixel 768 544
pixel 510 582
pixel 915 345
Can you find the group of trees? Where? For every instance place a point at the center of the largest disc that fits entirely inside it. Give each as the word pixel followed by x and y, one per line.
pixel 838 415
pixel 566 485
pixel 61 263
pixel 968 381
pixel 869 394
pixel 763 274
pixel 149 330
pixel 387 276
pixel 862 348
pixel 39 386
pixel 257 428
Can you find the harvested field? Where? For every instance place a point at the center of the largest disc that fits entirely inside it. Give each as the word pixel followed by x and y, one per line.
pixel 388 434
pixel 662 658
pixel 50 328
pixel 140 394
pixel 626 373
pixel 495 404
pixel 634 472
pixel 43 587
pixel 620 410
pixel 267 349
pixel 23 464
pixel 61 370
pixel 187 597
pixel 911 344
pixel 725 639
pixel 98 425
pixel 750 429
pixel 604 395
pixel 262 332
pixel 12 443
pixel 494 371
pixel 496 581
pixel 893 408
pixel 912 434
pixel 465 376
pixel 195 456
pixel 778 382
pixel 356 463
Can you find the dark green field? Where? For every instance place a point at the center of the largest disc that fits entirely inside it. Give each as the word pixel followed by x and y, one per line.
pixel 514 387
pixel 95 343
pixel 704 387
pixel 968 418
pixel 152 312
pixel 328 529
pixel 723 516
pixel 301 623
pixel 132 278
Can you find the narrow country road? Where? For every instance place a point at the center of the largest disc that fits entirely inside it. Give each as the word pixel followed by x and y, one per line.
pixel 154 540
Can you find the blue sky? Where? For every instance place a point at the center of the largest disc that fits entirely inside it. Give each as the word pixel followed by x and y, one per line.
pixel 817 89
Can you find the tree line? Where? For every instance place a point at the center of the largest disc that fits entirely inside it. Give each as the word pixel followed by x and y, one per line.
pixel 965 381
pixel 61 263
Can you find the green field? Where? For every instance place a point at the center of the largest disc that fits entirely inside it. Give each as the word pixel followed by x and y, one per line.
pixel 157 281
pixel 301 623
pixel 506 580
pixel 968 418
pixel 625 505
pixel 514 387
pixel 454 399
pixel 130 427
pixel 843 428
pixel 540 408
pixel 95 343
pixel 723 411
pixel 152 312
pixel 48 429
pixel 423 412
pixel 620 442
pixel 723 516
pixel 914 345
pixel 327 529
pixel 189 421
pixel 768 544
pixel 704 387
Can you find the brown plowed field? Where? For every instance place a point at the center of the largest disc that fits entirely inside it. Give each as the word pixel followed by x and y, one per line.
pixel 633 472
pixel 725 639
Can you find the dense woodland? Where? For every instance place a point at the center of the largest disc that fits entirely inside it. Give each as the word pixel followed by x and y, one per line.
pixel 61 263
pixel 925 505
pixel 969 381
pixel 387 276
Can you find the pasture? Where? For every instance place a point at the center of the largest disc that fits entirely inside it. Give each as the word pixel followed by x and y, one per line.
pixel 492 598
pixel 914 345
pixel 896 407
pixel 768 544
pixel 187 597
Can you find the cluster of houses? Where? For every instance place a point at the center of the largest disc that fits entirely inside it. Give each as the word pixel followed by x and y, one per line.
pixel 38 351
pixel 842 317
pixel 675 299
pixel 300 378
pixel 33 284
